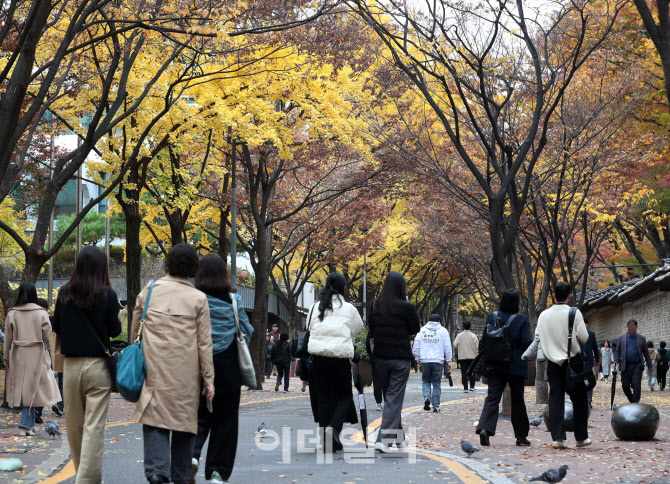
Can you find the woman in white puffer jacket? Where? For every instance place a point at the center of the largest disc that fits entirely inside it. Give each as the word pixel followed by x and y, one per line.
pixel 333 323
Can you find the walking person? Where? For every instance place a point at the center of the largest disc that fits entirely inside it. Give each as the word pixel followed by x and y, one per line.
pixel 333 324
pixel 655 358
pixel 30 381
pixel 57 407
pixel 432 348
pixel 413 364
pixel 590 357
pixel 630 357
pixel 392 321
pixel 662 365
pixel 467 345
pixel 269 344
pixel 513 374
pixel 86 317
pixel 552 332
pixel 376 386
pixel 281 357
pixel 221 425
pixel 606 358
pixel 177 346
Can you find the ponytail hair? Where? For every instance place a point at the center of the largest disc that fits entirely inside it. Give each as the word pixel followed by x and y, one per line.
pixel 335 284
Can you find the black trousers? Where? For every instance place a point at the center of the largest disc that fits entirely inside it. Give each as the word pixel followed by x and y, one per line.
pixel 167 453
pixel 631 380
pixel 489 417
pixel 661 374
pixel 465 366
pixel 332 380
pixel 376 386
pixel 222 424
pixel 557 376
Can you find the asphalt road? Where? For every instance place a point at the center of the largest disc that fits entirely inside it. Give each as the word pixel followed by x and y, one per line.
pixel 290 455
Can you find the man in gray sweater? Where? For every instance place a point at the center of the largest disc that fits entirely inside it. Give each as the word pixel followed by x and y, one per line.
pixel 630 356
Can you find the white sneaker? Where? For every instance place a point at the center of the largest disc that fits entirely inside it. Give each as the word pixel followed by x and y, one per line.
pixel 379 407
pixel 559 444
pixel 27 433
pixel 216 478
pixel 382 447
pixel 583 443
pixel 403 444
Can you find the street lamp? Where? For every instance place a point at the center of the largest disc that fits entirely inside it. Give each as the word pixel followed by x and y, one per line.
pixel 365 283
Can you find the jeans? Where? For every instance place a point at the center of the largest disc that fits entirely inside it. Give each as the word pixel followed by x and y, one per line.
pixel 283 369
pixel 27 418
pixel 631 381
pixel 489 417
pixel 651 377
pixel 465 366
pixel 431 374
pixel 557 376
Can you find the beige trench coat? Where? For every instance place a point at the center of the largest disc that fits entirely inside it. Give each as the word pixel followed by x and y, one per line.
pixel 177 345
pixel 30 381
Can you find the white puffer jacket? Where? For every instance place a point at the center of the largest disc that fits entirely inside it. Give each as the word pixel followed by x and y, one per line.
pixel 334 336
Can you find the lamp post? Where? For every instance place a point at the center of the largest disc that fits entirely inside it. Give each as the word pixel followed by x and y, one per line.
pixel 365 283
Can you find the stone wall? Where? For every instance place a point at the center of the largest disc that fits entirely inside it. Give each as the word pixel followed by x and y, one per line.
pixel 652 312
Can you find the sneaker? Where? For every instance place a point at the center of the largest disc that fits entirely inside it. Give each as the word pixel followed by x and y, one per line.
pixel 285 391
pixel 523 442
pixel 583 443
pixel 56 409
pixel 465 391
pixel 194 469
pixel 436 409
pixel 26 432
pixel 216 478
pixel 403 445
pixel 426 404
pixel 382 447
pixel 304 385
pixel 472 389
pixel 277 387
pixel 559 444
pixel 379 407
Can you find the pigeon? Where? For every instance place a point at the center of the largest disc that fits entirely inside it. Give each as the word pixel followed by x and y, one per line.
pixel 468 448
pixel 536 422
pixel 262 429
pixel 52 429
pixel 552 475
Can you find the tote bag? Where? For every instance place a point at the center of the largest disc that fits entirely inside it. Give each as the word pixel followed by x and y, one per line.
pixel 130 368
pixel 247 370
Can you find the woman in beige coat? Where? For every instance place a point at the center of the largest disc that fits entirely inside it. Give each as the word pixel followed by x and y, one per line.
pixel 30 382
pixel 177 347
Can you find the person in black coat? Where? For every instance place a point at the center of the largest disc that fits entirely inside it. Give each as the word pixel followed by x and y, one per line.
pixel 281 357
pixel 500 375
pixel 590 356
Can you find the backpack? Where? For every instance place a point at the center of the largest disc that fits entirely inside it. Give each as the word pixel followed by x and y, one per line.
pixel 498 343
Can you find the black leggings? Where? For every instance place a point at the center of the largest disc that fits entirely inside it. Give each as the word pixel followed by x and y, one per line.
pixel 465 366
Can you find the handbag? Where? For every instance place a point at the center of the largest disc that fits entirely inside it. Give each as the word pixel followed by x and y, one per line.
pixel 112 357
pixel 300 341
pixel 131 370
pixel 574 378
pixel 57 358
pixel 247 370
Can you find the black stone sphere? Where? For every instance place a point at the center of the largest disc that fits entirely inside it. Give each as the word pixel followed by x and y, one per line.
pixel 568 417
pixel 635 421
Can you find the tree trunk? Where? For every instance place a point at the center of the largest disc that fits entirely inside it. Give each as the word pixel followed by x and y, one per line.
pixel 507 401
pixel 259 320
pixel 541 386
pixel 131 210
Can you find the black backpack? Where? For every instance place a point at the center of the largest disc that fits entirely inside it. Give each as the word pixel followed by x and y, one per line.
pixel 498 343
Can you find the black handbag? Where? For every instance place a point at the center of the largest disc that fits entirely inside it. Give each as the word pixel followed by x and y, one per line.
pixel 300 341
pixel 575 378
pixel 112 356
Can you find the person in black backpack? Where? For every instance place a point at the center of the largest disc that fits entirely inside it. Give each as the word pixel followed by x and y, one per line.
pixel 281 357
pixel 500 373
pixel 662 365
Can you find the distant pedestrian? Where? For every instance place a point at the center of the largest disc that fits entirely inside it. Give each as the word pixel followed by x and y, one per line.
pixel 606 358
pixel 392 321
pixel 655 358
pixel 86 313
pixel 591 357
pixel 30 381
pixel 432 348
pixel 630 358
pixel 414 365
pixel 500 375
pixel 467 345
pixel 274 334
pixel 281 357
pixel 177 347
pixel 553 333
pixel 222 424
pixel 333 324
pixel 662 365
pixel 269 344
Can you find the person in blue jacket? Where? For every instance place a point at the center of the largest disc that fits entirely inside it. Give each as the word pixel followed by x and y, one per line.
pixel 514 374
pixel 222 423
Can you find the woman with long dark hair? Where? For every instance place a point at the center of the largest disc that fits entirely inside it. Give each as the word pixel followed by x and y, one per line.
pixel 30 382
pixel 513 374
pixel 86 317
pixel 177 346
pixel 333 323
pixel 392 321
pixel 221 425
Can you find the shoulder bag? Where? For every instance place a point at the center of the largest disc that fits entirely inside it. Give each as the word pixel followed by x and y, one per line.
pixel 131 370
pixel 247 370
pixel 112 357
pixel 300 341
pixel 573 378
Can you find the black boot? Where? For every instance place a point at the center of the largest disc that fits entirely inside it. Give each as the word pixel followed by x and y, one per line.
pixel 523 442
pixel 484 438
pixel 155 479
